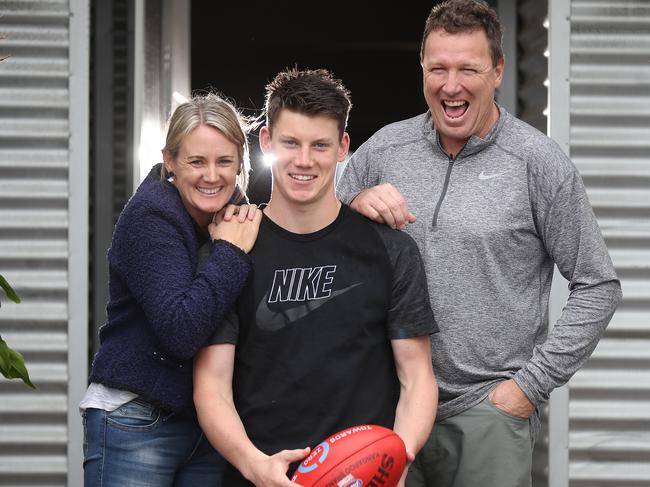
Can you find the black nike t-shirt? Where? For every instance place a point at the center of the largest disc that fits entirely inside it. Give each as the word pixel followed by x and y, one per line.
pixel 313 328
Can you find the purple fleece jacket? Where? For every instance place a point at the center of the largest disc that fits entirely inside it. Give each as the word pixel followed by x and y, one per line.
pixel 161 309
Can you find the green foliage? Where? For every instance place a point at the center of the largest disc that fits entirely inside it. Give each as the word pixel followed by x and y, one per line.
pixel 12 363
pixel 11 294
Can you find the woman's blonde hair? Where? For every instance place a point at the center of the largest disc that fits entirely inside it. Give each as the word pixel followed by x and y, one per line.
pixel 214 111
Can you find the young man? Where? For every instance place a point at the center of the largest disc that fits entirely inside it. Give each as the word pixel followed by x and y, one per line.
pixel 496 204
pixel 332 330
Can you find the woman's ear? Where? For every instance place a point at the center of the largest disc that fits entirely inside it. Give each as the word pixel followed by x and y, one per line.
pixel 168 161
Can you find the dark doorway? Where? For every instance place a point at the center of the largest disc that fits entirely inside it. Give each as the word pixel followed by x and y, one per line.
pixel 238 47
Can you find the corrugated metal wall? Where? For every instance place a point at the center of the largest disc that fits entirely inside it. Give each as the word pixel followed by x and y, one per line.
pixel 609 400
pixel 37 145
pixel 532 70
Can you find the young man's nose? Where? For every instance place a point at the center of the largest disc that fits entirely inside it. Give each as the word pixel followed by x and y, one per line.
pixel 304 158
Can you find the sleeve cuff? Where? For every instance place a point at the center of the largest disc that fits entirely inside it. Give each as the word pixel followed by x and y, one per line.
pixel 522 378
pixel 235 248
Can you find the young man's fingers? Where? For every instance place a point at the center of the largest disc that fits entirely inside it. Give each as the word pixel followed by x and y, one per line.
pixel 295 455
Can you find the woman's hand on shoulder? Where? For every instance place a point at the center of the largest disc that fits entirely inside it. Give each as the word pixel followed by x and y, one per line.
pixel 240 212
pixel 237 224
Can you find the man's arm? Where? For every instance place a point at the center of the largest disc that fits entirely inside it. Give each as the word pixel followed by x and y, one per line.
pixel 213 371
pixel 418 399
pixel 382 203
pixel 570 233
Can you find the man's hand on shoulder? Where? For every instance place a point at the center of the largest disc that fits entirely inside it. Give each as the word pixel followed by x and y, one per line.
pixel 383 204
pixel 508 397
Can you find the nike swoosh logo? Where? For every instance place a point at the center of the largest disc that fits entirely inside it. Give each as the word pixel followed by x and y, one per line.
pixel 270 320
pixel 484 176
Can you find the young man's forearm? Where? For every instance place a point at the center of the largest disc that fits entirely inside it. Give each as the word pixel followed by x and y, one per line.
pixel 418 401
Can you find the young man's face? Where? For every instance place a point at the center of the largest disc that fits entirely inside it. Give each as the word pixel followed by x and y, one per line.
pixel 459 84
pixel 305 151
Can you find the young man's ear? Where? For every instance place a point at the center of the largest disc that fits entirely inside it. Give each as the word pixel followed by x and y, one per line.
pixel 265 139
pixel 344 146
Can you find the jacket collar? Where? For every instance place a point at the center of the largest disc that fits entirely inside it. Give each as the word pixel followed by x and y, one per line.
pixel 475 144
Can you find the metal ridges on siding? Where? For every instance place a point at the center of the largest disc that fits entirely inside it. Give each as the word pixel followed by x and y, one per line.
pixel 610 144
pixel 33 237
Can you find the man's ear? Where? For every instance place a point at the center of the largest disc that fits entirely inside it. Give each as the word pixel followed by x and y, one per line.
pixel 265 139
pixel 499 70
pixel 344 146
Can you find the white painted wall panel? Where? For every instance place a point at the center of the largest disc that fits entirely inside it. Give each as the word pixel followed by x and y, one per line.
pixel 609 405
pixel 43 234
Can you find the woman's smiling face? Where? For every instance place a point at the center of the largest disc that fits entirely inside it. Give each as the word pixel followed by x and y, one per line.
pixel 205 172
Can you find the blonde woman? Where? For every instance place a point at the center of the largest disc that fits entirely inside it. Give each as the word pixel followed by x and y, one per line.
pixel 139 422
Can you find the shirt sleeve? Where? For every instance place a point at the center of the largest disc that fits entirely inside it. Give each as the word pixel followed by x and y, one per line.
pixel 570 232
pixel 227 332
pixel 356 175
pixel 410 313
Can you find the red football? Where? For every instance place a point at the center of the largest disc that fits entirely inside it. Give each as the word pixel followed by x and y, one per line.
pixel 360 456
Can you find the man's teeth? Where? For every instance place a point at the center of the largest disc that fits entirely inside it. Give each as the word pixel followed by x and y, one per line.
pixel 302 177
pixel 454 103
pixel 208 190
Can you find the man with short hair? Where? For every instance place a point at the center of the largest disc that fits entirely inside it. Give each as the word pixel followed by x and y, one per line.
pixel 493 204
pixel 332 330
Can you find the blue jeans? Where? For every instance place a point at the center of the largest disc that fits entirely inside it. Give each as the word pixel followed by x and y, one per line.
pixel 139 445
